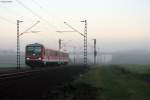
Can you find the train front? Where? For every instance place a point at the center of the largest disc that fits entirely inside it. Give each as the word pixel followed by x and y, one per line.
pixel 34 55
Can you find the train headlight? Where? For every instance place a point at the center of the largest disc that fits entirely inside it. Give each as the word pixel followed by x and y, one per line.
pixel 27 58
pixel 39 58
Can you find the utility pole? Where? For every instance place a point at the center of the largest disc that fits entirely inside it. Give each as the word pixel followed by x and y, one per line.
pixel 74 55
pixel 85 38
pixel 104 59
pixel 95 52
pixel 98 56
pixel 18 40
pixel 18 45
pixel 59 42
pixel 84 35
pixel 85 42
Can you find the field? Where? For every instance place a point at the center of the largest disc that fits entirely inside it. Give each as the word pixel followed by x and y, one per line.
pixel 101 82
pixel 10 61
pixel 111 82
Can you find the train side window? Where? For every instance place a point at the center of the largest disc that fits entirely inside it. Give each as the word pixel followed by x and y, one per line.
pixel 56 53
pixel 52 53
pixel 49 53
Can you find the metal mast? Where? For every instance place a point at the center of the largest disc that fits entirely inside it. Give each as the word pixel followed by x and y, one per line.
pixel 84 35
pixel 85 38
pixel 95 52
pixel 18 45
pixel 59 42
pixel 18 40
pixel 74 59
pixel 85 42
pixel 18 53
pixel 59 48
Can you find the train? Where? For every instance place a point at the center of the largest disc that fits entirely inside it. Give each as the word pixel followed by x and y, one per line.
pixel 37 54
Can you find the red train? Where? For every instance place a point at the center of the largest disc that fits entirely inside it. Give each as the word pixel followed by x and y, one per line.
pixel 39 55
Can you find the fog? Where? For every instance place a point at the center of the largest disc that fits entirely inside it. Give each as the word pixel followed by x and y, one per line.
pixel 117 25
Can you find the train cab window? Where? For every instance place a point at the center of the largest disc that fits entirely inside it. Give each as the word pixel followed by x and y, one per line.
pixel 37 49
pixel 30 49
pixel 52 53
pixel 34 50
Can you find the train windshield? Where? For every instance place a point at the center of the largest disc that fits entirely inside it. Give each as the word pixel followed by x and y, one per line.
pixel 34 50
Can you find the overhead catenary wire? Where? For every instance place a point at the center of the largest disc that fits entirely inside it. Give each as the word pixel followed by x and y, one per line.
pixel 35 14
pixel 29 28
pixel 7 20
pixel 11 22
pixel 38 16
pixel 74 30
pixel 37 4
pixel 42 9
pixel 8 11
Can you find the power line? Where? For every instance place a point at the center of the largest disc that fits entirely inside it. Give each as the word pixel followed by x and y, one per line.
pixel 73 29
pixel 7 20
pixel 29 28
pixel 10 11
pixel 37 4
pixel 34 13
pixel 18 40
pixel 95 52
pixel 42 9
pixel 82 34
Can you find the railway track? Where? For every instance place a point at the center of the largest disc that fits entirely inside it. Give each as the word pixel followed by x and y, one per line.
pixel 36 82
pixel 23 72
pixel 16 74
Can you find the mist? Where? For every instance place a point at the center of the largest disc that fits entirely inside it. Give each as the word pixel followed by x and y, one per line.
pixel 117 26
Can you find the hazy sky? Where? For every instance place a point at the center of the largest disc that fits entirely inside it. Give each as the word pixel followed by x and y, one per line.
pixel 116 24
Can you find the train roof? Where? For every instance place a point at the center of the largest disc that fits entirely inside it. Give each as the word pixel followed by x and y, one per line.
pixel 35 44
pixel 38 44
pixel 57 50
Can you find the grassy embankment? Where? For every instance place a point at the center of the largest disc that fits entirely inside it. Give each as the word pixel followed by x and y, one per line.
pixel 112 82
pixel 120 82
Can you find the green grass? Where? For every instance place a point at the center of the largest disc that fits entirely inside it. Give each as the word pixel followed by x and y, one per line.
pixel 141 69
pixel 119 82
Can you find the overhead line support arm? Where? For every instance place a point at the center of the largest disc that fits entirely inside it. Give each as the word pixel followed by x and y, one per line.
pixel 73 28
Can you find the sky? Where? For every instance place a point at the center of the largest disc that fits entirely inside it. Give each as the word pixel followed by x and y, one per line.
pixel 116 24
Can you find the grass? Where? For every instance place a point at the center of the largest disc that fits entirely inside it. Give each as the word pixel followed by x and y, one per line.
pixel 109 82
pixel 118 82
pixel 7 61
pixel 141 69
